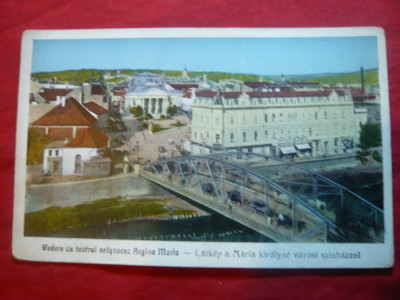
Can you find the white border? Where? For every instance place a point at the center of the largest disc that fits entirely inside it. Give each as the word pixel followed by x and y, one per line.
pixel 30 248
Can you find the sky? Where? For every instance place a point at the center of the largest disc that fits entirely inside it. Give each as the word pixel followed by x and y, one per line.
pixel 260 56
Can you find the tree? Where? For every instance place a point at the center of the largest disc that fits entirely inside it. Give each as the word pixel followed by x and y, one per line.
pixel 370 136
pixel 137 111
pixel 172 110
pixel 37 140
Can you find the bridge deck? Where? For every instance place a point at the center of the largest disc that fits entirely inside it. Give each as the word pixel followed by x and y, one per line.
pixel 253 221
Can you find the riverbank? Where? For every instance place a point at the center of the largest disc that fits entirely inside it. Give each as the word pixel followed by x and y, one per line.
pixel 106 212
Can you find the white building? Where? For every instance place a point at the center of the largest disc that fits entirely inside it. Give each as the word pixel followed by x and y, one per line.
pixel 277 122
pixel 152 93
pixel 81 156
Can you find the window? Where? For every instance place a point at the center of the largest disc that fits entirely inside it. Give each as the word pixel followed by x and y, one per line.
pixel 244 119
pixel 255 120
pixel 57 152
pixel 50 152
pixel 266 118
pixel 217 137
pixel 273 117
pixel 244 136
pixel 266 133
pixel 232 121
pixel 232 137
pixel 326 115
pixel 255 135
pixel 316 115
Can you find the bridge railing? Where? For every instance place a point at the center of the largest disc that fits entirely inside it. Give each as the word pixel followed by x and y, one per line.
pixel 303 208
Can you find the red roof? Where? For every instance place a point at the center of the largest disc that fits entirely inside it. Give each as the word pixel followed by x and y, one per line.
pixel 206 94
pixel 231 94
pixel 97 89
pixel 51 94
pixel 358 96
pixel 72 113
pixel 289 94
pixel 95 108
pixel 119 93
pixel 88 138
pixel 184 86
pixel 119 88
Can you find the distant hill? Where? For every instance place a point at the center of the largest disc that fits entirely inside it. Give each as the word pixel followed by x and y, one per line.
pixel 84 75
pixel 370 77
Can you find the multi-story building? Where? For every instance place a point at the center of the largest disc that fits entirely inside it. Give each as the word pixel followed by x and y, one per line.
pixel 277 122
pixel 152 93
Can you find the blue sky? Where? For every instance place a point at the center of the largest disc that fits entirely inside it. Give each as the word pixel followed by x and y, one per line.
pixel 261 56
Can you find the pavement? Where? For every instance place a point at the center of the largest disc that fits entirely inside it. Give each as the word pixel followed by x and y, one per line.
pixel 144 145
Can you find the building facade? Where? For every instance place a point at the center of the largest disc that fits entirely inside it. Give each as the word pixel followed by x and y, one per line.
pixel 152 93
pixel 80 157
pixel 278 122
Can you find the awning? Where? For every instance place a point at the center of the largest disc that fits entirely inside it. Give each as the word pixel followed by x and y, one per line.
pixel 288 150
pixel 303 147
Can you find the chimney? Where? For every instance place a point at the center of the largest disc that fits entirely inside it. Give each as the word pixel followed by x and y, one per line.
pixel 362 81
pixel 62 101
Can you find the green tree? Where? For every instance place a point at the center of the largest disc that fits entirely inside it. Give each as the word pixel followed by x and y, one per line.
pixel 370 136
pixel 172 110
pixel 37 140
pixel 137 111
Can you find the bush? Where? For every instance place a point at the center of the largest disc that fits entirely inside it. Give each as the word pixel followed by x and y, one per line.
pixel 145 125
pixel 377 156
pixel 156 128
pixel 370 136
pixel 172 110
pixel 178 124
pixel 137 111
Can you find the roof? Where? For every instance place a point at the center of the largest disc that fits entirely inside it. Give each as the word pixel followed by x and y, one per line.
pixel 206 94
pixel 257 84
pixel 51 94
pixel 119 90
pixel 184 86
pixel 97 89
pixel 88 138
pixel 284 94
pixel 55 144
pixel 146 82
pixel 231 94
pixel 72 113
pixel 358 96
pixel 95 108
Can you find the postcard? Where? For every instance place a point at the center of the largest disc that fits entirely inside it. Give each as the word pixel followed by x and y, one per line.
pixel 221 148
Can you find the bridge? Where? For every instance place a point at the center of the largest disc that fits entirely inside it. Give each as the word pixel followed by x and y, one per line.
pixel 274 197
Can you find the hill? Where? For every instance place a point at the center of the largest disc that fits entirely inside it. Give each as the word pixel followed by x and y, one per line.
pixel 84 75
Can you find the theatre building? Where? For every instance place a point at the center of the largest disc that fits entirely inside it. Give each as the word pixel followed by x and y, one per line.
pixel 279 122
pixel 152 93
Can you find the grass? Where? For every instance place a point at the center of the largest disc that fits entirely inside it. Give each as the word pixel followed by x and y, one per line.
pixel 178 124
pixel 99 212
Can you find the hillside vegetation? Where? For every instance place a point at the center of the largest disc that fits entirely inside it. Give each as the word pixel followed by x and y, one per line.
pixel 79 76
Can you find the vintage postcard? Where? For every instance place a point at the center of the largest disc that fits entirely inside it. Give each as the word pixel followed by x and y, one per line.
pixel 225 148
